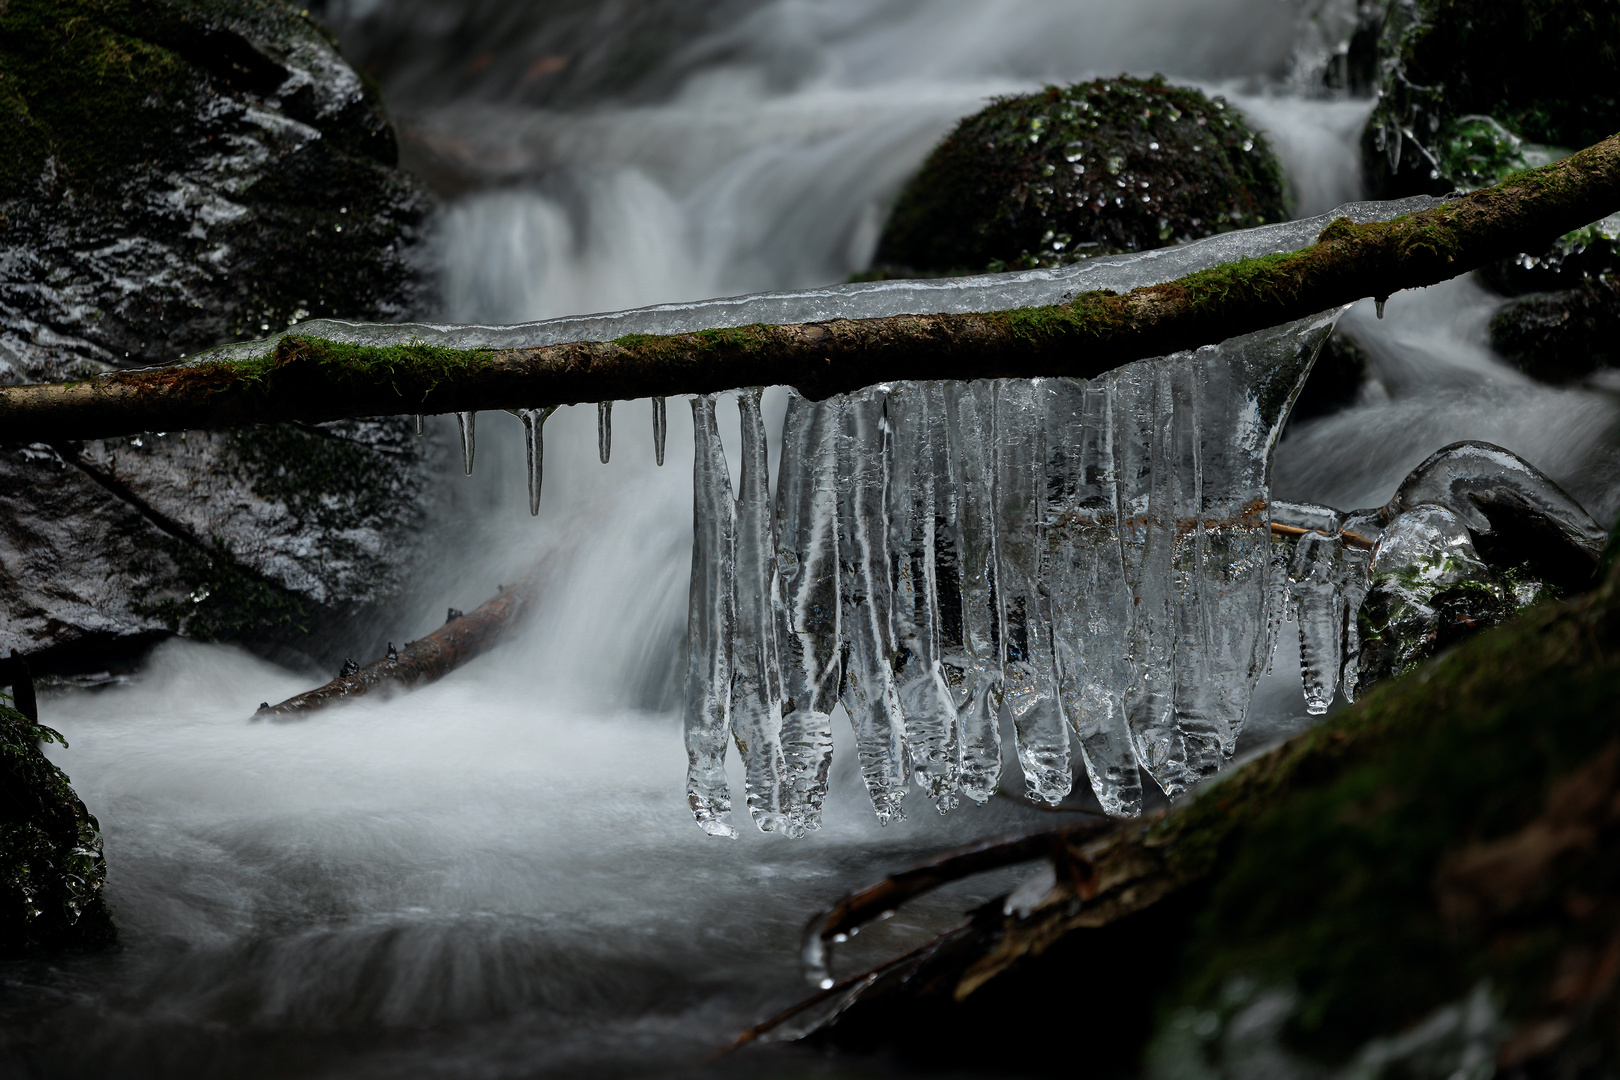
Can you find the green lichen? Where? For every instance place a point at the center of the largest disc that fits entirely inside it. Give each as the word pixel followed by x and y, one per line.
pixel 51 867
pixel 1113 165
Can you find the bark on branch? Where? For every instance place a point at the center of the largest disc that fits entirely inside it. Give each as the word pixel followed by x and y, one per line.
pixel 312 380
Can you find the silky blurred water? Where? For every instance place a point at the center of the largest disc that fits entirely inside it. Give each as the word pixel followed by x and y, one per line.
pixel 497 875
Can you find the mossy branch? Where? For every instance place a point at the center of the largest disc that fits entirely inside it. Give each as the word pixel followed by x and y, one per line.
pixel 312 380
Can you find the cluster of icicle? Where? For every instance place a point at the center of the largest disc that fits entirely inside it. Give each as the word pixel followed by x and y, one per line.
pixel 1087 565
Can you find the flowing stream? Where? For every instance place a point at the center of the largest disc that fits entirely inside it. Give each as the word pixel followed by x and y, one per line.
pixel 497 875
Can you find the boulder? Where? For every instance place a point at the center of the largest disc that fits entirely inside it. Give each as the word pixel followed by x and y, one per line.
pixel 1561 337
pixel 1107 166
pixel 175 174
pixel 51 866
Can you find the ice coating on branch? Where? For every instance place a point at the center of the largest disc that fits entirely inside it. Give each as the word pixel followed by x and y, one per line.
pixel 604 430
pixel 918 445
pixel 464 423
pixel 988 292
pixel 972 661
pixel 807 577
pixel 756 674
pixel 534 448
pixel 709 624
pixel 1029 673
pixel 660 428
pixel 865 597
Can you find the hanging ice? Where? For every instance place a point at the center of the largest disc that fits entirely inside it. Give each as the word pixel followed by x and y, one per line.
pixel 807 614
pixel 756 674
pixel 709 625
pixel 465 422
pixel 604 430
pixel 534 448
pixel 660 426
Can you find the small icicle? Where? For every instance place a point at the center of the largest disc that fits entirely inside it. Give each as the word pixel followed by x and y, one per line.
pixel 660 427
pixel 421 423
pixel 1378 303
pixel 466 420
pixel 1319 608
pixel 534 421
pixel 604 430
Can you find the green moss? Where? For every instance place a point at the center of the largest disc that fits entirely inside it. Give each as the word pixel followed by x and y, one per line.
pixel 1112 165
pixel 1324 855
pixel 51 867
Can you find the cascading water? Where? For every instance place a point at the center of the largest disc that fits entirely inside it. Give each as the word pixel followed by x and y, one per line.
pixel 492 876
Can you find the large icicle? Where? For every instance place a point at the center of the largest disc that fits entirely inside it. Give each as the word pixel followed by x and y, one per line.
pixel 534 448
pixel 756 674
pixel 660 426
pixel 1086 585
pixel 1029 694
pixel 1319 608
pixel 916 421
pixel 865 602
pixel 604 430
pixel 466 423
pixel 808 633
pixel 970 425
pixel 709 626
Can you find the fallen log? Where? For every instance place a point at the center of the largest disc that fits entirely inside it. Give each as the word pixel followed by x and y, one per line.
pixel 1456 828
pixel 308 379
pixel 420 662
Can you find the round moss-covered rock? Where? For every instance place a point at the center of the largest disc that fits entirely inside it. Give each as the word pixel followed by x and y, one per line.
pixel 1112 165
pixel 51 866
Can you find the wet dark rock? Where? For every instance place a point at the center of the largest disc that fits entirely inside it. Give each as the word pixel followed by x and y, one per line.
pixel 51 866
pixel 175 174
pixel 1561 337
pixel 1113 165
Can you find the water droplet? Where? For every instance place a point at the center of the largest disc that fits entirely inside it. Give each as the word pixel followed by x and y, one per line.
pixel 660 428
pixel 604 430
pixel 466 420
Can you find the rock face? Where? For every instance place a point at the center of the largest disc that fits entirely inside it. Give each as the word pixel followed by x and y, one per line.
pixel 175 174
pixel 51 867
pixel 1112 165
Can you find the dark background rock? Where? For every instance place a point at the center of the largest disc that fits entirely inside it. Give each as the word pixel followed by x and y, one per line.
pixel 175 174
pixel 1561 337
pixel 1113 165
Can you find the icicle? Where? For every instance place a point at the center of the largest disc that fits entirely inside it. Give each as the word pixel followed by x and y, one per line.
pixel 1355 577
pixel 534 447
pixel 1085 580
pixel 421 424
pixel 604 430
pixel 1277 591
pixel 466 420
pixel 1319 609
pixel 807 567
pixel 916 421
pixel 709 624
pixel 756 674
pixel 865 598
pixel 970 421
pixel 660 426
pixel 1029 689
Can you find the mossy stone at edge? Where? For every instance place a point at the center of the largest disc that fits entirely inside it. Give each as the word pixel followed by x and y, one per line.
pixel 1112 165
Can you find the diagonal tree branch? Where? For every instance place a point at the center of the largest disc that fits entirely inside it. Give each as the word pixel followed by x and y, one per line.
pixel 312 380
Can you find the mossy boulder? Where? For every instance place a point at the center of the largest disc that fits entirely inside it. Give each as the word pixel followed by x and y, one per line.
pixel 1562 337
pixel 175 174
pixel 51 866
pixel 1107 166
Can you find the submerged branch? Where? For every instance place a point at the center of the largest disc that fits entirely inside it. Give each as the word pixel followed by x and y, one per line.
pixel 419 662
pixel 313 380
